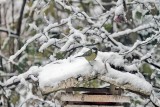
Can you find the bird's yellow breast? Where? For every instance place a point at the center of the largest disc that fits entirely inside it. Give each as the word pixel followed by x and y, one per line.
pixel 91 57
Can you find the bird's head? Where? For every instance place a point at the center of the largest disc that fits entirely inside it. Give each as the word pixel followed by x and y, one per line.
pixel 95 50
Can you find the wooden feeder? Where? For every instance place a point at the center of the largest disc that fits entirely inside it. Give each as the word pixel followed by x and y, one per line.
pixel 88 97
pixel 94 97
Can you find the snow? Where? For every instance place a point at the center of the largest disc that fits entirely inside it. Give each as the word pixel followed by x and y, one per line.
pixel 100 4
pixel 11 58
pixel 79 34
pixel 70 8
pixel 119 2
pixel 42 39
pixel 146 56
pixel 51 75
pixel 115 59
pixel 96 11
pixel 77 29
pixel 68 43
pixel 35 3
pixel 119 10
pixel 131 67
pixel 30 96
pixel 22 58
pixel 50 26
pixel 2 1
pixel 155 99
pixel 67 68
pixel 147 1
pixel 55 73
pixel 127 31
pixel 58 71
pixel 88 18
pixel 34 70
pixel 138 42
pixel 47 44
pixel 127 78
pixel 33 26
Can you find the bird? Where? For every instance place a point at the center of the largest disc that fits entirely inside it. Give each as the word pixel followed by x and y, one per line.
pixel 90 55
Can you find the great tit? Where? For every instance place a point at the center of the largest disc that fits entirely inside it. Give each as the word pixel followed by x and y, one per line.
pixel 90 55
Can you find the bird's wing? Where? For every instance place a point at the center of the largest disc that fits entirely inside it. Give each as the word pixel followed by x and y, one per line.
pixel 87 53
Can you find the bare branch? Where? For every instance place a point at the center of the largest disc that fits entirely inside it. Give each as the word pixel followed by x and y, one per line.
pixel 21 18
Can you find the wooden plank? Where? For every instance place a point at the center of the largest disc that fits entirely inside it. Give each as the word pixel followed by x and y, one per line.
pixel 63 85
pixel 88 90
pixel 95 98
pixel 89 106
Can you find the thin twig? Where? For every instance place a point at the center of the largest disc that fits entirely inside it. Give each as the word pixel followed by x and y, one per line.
pixel 20 18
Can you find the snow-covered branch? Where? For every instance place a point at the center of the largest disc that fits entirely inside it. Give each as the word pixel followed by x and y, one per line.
pixel 128 31
pixel 63 72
